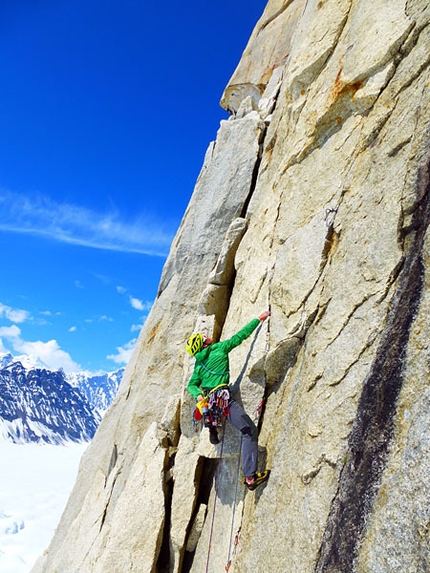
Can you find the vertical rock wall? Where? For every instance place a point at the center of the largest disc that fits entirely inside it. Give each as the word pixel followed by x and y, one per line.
pixel 314 202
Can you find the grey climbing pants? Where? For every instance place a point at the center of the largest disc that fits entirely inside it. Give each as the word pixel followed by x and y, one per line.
pixel 240 420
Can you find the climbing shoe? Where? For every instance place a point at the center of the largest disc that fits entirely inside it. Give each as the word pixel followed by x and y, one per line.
pixel 213 436
pixel 259 478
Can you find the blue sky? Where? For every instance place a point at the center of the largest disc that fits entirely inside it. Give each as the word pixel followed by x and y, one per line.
pixel 106 108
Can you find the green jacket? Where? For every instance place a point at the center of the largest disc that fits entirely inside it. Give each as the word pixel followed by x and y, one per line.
pixel 212 365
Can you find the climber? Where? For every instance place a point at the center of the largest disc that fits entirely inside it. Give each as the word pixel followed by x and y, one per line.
pixel 208 386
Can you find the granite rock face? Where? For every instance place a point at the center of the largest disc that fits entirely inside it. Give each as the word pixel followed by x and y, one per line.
pixel 314 202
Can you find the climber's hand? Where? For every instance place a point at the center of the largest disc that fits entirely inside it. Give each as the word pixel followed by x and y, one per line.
pixel 264 315
pixel 199 398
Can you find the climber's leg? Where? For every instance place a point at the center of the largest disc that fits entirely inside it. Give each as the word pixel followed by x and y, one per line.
pixel 240 420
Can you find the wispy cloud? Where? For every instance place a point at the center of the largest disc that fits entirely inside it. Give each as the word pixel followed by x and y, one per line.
pixel 13 314
pixel 11 332
pixel 123 354
pixel 97 318
pixel 74 224
pixel 138 304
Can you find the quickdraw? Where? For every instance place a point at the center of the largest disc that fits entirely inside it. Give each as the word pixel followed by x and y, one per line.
pixel 259 408
pixel 218 405
pixel 236 543
pixel 214 408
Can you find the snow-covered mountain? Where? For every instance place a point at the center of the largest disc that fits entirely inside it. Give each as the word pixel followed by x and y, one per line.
pixel 41 405
pixel 99 390
pixel 27 363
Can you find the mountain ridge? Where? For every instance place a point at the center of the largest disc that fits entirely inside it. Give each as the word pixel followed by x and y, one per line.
pixel 49 406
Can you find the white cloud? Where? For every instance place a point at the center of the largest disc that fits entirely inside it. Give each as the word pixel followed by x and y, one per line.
pixel 136 303
pixel 123 353
pixel 72 329
pixel 14 314
pixel 98 318
pixel 140 305
pixel 104 279
pixel 10 331
pixel 39 215
pixel 48 354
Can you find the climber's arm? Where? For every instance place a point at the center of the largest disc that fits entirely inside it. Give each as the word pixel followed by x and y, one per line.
pixel 244 333
pixel 193 386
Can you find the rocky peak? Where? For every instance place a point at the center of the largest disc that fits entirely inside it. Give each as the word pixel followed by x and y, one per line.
pixel 5 359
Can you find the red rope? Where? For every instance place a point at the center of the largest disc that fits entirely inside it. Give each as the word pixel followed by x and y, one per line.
pixel 258 411
pixel 216 496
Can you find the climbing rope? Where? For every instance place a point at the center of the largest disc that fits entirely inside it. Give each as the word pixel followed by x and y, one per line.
pixel 216 496
pixel 227 567
pixel 236 540
pixel 236 543
pixel 257 411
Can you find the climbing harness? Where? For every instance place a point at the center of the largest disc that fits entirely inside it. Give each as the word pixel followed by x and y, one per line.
pixel 214 407
pixel 218 406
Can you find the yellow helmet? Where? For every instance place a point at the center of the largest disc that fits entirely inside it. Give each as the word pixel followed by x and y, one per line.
pixel 194 343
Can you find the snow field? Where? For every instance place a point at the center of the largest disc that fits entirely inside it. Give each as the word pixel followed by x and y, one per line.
pixel 35 483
